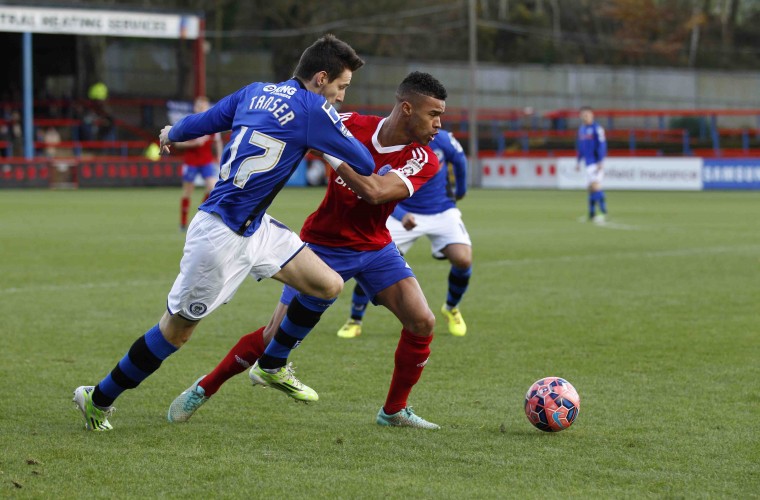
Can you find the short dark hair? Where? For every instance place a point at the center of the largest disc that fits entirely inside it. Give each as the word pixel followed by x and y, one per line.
pixel 585 108
pixel 421 83
pixel 327 54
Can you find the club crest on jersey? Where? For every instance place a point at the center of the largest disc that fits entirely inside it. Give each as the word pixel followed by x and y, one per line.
pixel 384 170
pixel 412 167
pixel 335 118
pixel 327 108
pixel 197 308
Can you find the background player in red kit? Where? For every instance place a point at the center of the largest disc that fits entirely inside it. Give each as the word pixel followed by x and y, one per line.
pixel 200 157
pixel 348 231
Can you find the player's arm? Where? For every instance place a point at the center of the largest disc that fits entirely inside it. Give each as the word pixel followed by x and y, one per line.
pixel 399 213
pixel 601 145
pixel 459 162
pixel 218 118
pixel 192 143
pixel 374 189
pixel 405 218
pixel 395 184
pixel 328 134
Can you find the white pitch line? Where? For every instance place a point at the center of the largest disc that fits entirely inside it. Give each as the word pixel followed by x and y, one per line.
pixel 608 224
pixel 615 225
pixel 683 252
pixel 82 286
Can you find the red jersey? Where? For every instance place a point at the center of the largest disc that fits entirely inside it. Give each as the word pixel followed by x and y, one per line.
pixel 199 156
pixel 343 219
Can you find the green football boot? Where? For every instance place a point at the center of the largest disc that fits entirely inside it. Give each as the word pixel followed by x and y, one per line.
pixel 95 419
pixel 351 329
pixel 283 380
pixel 457 326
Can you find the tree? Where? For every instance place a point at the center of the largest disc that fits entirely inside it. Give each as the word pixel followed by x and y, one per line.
pixel 728 23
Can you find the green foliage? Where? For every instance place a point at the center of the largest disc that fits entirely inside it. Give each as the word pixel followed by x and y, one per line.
pixel 653 318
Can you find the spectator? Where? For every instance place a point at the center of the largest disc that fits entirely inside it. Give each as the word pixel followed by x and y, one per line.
pixel 51 138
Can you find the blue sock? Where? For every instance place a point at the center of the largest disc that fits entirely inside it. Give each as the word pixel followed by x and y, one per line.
pixel 602 202
pixel 143 358
pixel 591 201
pixel 459 280
pixel 303 315
pixel 359 303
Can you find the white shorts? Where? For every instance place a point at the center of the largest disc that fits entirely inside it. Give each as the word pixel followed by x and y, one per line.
pixel 216 260
pixel 443 229
pixel 594 174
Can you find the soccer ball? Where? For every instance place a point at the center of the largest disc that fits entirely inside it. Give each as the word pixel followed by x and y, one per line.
pixel 552 404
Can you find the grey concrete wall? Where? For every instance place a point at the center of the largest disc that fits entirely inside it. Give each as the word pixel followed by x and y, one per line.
pixel 552 87
pixel 152 71
pixel 546 88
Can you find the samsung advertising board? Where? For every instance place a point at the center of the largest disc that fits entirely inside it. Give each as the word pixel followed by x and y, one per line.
pixel 730 173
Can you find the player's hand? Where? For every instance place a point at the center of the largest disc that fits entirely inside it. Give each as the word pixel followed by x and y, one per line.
pixel 164 142
pixel 459 197
pixel 408 221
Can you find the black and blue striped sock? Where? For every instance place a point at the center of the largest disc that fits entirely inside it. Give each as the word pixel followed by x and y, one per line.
pixel 459 280
pixel 143 358
pixel 602 202
pixel 359 303
pixel 303 314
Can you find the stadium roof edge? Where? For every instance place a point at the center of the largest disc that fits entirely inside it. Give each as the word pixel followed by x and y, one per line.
pixel 118 8
pixel 100 22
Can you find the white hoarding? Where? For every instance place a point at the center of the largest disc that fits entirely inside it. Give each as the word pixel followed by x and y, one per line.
pixel 98 22
pixel 643 173
pixel 520 172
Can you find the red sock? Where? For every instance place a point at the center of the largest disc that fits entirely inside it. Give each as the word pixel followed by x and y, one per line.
pixel 412 354
pixel 184 208
pixel 241 357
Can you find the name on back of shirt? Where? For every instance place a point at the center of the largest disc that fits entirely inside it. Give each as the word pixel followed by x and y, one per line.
pixel 275 105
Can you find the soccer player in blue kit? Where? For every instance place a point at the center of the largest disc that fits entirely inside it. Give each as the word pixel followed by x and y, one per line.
pixel 592 149
pixel 431 212
pixel 231 237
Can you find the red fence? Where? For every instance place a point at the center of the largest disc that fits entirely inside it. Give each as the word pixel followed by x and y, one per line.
pixel 132 124
pixel 95 172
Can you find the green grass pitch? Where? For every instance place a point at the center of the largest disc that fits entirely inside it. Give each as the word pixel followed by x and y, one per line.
pixel 654 318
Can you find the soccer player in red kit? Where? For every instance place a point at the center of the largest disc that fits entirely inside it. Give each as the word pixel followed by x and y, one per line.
pixel 200 157
pixel 348 231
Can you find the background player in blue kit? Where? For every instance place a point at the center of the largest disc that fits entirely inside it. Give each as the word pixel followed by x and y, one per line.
pixel 273 126
pixel 432 212
pixel 592 149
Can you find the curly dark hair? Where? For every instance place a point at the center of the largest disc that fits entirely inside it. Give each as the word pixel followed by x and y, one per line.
pixel 421 83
